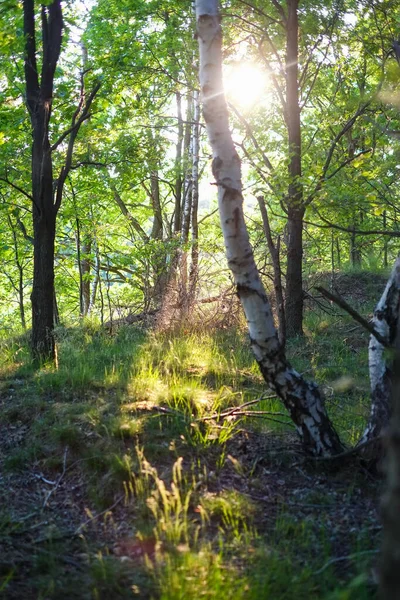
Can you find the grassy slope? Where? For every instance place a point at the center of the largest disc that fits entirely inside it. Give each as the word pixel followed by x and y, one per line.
pixel 114 483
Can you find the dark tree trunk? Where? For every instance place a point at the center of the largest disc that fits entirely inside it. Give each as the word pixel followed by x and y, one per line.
pixel 85 270
pixel 274 252
pixel 20 287
pixel 390 559
pixel 294 277
pixel 194 267
pixel 355 254
pixel 83 251
pixel 338 253
pixel 39 95
pixel 178 167
pixel 21 296
pixel 385 242
pixel 295 205
pixel 43 290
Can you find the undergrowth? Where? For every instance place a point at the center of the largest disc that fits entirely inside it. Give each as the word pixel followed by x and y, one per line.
pixel 163 495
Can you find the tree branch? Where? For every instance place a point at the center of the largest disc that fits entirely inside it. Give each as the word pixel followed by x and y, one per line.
pixel 30 64
pixel 353 313
pixel 74 132
pixel 16 187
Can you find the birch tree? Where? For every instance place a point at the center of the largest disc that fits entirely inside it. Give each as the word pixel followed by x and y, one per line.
pixel 302 398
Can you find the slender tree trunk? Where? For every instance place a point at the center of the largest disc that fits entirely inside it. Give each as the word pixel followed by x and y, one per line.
pixel 178 167
pixel 338 253
pixel 194 267
pixel 20 287
pixel 296 210
pixel 355 254
pixel 274 252
pixel 301 398
pixel 159 266
pixel 85 269
pixel 187 164
pixel 385 243
pixel 186 211
pixel 96 281
pixel 21 296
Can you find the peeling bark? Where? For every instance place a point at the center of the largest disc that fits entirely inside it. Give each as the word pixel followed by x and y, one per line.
pixel 302 399
pixel 385 322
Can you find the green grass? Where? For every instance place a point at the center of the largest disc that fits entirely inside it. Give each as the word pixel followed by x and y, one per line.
pixel 125 419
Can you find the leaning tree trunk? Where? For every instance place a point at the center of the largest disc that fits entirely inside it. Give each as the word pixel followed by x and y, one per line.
pixel 301 398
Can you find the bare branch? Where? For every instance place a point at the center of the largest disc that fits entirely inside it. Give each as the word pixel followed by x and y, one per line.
pixel 353 313
pixel 16 187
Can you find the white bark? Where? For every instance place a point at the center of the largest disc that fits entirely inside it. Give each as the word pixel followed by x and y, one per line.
pixel 300 397
pixel 386 317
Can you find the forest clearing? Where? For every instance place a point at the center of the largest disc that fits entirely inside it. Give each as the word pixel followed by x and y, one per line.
pixel 124 452
pixel 199 299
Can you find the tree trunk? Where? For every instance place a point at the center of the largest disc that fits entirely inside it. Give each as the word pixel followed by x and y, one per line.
pixel 296 210
pixel 390 558
pixel 178 167
pixel 96 282
pixel 194 267
pixel 274 252
pixel 39 100
pixel 386 317
pixel 20 287
pixel 301 398
pixel 385 242
pixel 85 269
pixel 46 200
pixel 43 291
pixel 355 254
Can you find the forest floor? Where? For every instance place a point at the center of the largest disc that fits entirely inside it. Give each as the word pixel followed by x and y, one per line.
pixel 122 475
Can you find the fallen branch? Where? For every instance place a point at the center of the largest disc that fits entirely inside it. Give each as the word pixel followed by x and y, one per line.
pixel 231 411
pixel 342 558
pixel 57 483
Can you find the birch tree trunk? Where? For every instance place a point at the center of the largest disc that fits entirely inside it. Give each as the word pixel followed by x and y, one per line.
pixel 302 399
pixel 385 321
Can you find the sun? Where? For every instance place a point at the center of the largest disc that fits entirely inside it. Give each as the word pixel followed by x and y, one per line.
pixel 245 84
